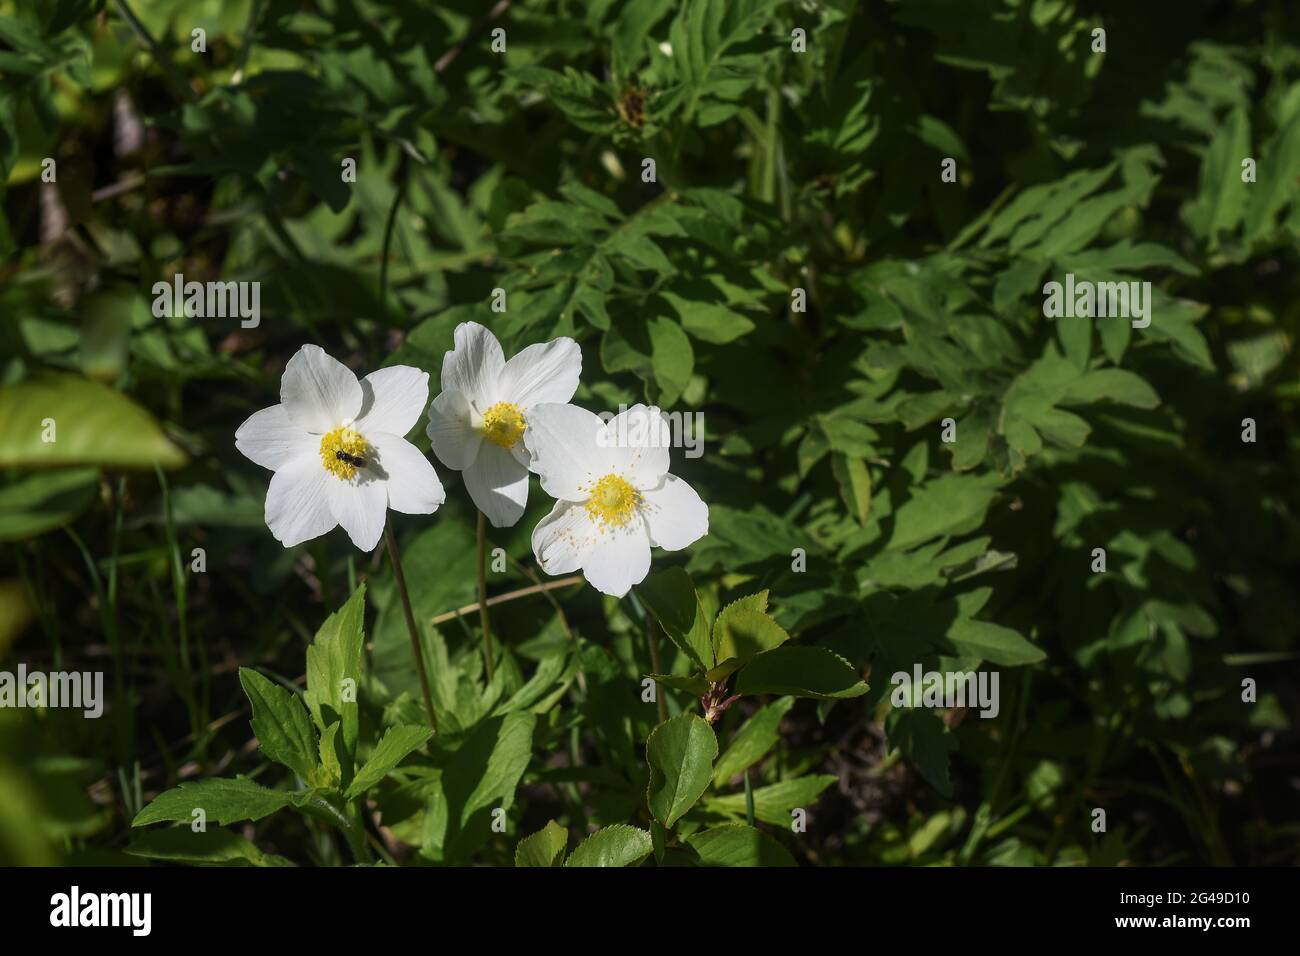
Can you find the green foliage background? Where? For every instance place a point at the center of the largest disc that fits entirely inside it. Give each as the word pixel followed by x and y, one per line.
pixel 775 169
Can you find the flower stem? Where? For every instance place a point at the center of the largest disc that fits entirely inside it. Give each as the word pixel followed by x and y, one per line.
pixel 410 625
pixel 482 595
pixel 654 663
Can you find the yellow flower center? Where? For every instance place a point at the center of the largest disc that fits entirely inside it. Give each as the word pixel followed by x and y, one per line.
pixel 612 502
pixel 503 424
pixel 343 451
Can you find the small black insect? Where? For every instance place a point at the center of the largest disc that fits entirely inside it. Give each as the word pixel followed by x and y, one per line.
pixel 355 461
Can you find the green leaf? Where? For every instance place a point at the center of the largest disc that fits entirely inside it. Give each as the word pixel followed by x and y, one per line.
pixel 334 675
pixel 703 36
pixel 694 685
pixel 330 773
pixel 854 482
pixel 280 723
pixel 617 845
pixel 927 741
pixel 680 753
pixel 670 596
pixel 773 804
pixel 222 801
pixel 755 738
pixel 90 424
pixel 210 847
pixel 739 633
pixel 736 845
pixel 950 504
pixel 672 357
pixel 708 321
pixel 1112 384
pixel 992 642
pixel 38 503
pixel 544 848
pixel 1223 198
pixel 392 748
pixel 481 776
pixel 802 672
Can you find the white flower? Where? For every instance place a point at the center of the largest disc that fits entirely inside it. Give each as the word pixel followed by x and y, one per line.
pixel 616 498
pixel 477 423
pixel 338 450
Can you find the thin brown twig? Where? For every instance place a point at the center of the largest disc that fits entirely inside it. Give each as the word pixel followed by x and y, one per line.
pixel 508 596
pixel 564 621
pixel 546 593
pixel 477 31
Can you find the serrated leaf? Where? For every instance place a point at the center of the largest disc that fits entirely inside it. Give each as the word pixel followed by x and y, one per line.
pixel 680 753
pixel 802 672
pixel 334 675
pixel 670 597
pixel 544 848
pixel 207 847
pixel 617 845
pixel 280 723
pixel 222 801
pixel 739 634
pixel 392 748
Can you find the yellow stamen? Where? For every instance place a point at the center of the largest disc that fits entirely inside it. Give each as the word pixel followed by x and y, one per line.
pixel 503 424
pixel 341 449
pixel 612 502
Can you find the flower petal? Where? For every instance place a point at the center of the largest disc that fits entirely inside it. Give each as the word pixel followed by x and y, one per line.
pixel 297 506
pixel 638 439
pixel 546 372
pixel 498 484
pixel 674 514
pixel 319 392
pixel 563 539
pixel 451 430
pixel 563 442
pixel 270 439
pixel 473 367
pixel 360 506
pixel 620 559
pixel 413 485
pixel 392 400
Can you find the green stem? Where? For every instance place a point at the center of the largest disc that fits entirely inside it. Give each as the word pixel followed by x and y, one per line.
pixel 250 30
pixel 654 664
pixel 163 60
pixel 416 652
pixel 482 595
